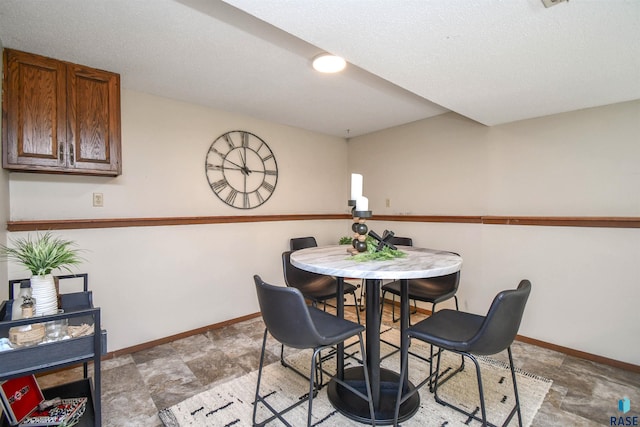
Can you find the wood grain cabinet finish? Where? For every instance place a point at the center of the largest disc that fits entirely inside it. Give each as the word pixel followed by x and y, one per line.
pixel 59 117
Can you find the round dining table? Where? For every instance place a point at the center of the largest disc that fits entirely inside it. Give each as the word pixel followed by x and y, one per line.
pixel 338 262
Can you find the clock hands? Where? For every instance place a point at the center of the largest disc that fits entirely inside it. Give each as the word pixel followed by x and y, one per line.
pixel 245 171
pixel 244 160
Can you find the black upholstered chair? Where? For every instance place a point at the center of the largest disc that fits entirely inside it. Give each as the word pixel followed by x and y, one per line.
pixel 291 322
pixel 469 335
pixel 317 288
pixel 433 290
pixel 302 242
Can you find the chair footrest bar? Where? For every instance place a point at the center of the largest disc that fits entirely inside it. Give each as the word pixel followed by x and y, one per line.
pixel 448 377
pixel 397 349
pixel 475 417
pixel 278 414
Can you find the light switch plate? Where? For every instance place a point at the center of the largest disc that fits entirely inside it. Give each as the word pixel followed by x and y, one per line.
pixel 98 200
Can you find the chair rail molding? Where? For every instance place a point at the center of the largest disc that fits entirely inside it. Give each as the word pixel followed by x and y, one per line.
pixel 545 221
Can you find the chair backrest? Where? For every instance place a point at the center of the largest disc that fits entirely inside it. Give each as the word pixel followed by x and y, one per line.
pixel 302 242
pixel 296 277
pixel 402 241
pixel 447 284
pixel 286 316
pixel 502 322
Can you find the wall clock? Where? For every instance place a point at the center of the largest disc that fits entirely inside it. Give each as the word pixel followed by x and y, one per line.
pixel 241 169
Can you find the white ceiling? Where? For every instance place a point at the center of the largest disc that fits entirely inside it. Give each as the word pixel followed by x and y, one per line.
pixel 489 60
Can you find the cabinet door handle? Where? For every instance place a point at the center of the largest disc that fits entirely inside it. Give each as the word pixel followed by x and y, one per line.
pixel 72 157
pixel 60 153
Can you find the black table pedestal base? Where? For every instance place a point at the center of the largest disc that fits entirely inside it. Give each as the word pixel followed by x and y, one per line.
pixel 357 409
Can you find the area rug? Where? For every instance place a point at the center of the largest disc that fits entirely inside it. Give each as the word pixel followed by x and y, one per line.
pixel 231 403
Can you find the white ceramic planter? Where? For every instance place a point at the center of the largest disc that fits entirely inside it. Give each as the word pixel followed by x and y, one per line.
pixel 43 289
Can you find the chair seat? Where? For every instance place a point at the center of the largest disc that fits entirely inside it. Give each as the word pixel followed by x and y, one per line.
pixel 426 290
pixel 448 329
pixel 331 328
pixel 324 287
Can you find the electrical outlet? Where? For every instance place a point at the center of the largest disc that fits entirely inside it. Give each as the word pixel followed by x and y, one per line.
pixel 387 203
pixel 98 200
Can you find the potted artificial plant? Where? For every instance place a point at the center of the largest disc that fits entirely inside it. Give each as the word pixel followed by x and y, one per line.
pixel 40 256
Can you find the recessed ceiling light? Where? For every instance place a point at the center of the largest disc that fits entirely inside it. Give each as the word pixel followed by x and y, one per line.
pixel 327 63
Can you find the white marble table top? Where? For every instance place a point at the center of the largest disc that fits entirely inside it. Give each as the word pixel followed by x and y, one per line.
pixel 336 261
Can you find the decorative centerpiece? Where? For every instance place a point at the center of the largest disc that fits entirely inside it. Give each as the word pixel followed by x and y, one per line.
pixel 378 248
pixel 40 256
pixel 367 245
pixel 360 212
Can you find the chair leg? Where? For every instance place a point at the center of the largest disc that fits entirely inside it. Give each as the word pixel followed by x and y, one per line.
pixel 483 420
pixel 257 397
pixel 397 348
pixel 367 381
pixel 311 384
pixel 382 306
pixel 401 397
pixel 314 386
pixel 319 375
pixel 448 377
pixel 483 410
pixel 362 295
pixel 282 362
pixel 455 298
pixel 515 388
pixel 393 309
pixel 461 368
pixel 368 396
pixel 433 310
pixel 357 306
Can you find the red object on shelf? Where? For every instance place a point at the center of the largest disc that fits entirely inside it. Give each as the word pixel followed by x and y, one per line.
pixel 20 397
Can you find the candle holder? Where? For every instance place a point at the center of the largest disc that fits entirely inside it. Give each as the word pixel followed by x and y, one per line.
pixel 359 228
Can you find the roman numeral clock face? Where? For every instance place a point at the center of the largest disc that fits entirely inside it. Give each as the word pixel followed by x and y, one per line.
pixel 241 169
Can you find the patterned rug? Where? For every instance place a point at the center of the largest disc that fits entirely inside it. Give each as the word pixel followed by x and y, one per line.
pixel 231 403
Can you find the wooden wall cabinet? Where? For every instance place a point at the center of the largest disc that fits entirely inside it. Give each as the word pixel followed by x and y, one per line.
pixel 59 117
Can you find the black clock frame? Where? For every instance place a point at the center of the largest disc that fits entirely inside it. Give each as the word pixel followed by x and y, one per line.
pixel 241 169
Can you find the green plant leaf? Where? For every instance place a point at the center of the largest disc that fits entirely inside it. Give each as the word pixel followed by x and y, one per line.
pixel 42 255
pixel 371 254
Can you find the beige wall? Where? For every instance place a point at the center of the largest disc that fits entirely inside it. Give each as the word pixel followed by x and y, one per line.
pixel 586 281
pixel 156 281
pixel 164 145
pixel 152 282
pixel 581 163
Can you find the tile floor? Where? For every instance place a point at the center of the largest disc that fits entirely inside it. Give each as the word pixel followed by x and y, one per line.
pixel 137 385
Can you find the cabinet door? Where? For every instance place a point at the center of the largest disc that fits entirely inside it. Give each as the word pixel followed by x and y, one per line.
pixel 34 109
pixel 93 111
